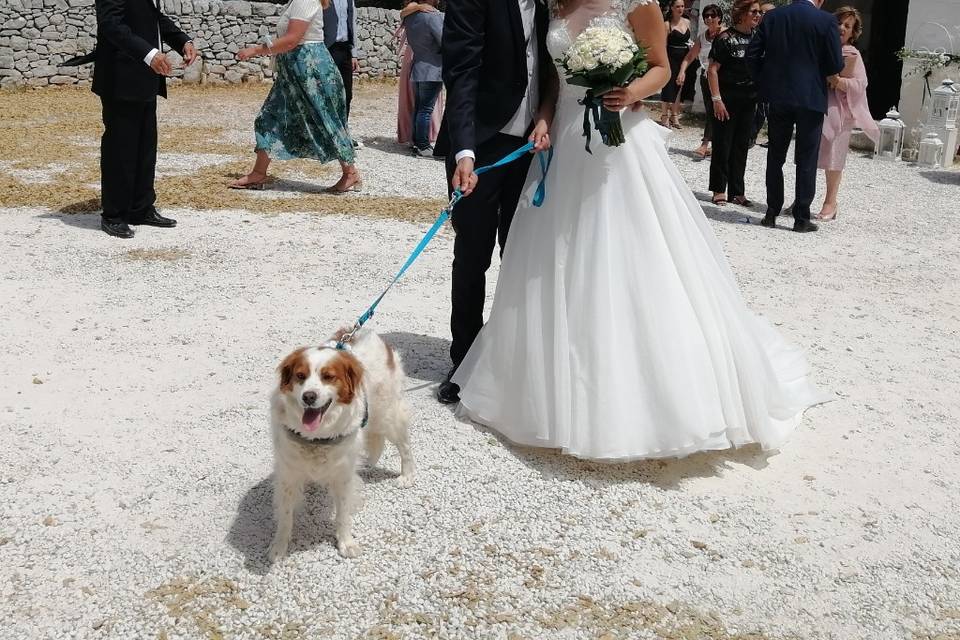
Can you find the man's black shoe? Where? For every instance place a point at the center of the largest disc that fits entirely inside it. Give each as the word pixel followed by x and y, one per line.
pixel 769 220
pixel 116 228
pixel 154 219
pixel 804 226
pixel 448 392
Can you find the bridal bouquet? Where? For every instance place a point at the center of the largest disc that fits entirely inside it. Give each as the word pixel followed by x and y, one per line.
pixel 602 58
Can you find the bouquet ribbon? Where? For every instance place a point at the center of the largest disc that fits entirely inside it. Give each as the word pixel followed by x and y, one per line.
pixel 606 122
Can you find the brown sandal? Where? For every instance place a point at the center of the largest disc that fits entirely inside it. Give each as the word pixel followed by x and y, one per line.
pixel 719 200
pixel 742 201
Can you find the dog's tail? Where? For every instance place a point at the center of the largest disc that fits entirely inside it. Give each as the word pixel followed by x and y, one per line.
pixel 374 443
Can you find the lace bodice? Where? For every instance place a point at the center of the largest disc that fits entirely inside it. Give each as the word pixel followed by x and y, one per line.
pixel 564 29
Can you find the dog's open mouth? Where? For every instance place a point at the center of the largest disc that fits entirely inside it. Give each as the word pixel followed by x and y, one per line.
pixel 312 417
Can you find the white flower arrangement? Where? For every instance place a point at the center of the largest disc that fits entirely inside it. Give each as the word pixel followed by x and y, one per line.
pixel 599 45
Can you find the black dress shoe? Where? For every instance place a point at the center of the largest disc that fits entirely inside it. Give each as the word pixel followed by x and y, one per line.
pixel 153 219
pixel 804 226
pixel 448 392
pixel 116 228
pixel 769 220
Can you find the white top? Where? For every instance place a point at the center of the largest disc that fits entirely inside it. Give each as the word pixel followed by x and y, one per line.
pixel 705 46
pixel 306 10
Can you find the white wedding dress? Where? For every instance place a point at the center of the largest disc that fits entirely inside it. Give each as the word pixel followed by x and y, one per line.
pixel 617 330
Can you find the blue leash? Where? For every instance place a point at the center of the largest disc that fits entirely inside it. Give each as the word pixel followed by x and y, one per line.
pixel 545 159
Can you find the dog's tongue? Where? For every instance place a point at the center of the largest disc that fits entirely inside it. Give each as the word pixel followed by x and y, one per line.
pixel 311 419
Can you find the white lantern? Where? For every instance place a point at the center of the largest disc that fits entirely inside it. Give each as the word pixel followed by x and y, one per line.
pixel 891 137
pixel 931 151
pixel 945 105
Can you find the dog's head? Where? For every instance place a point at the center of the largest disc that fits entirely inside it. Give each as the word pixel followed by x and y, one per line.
pixel 318 378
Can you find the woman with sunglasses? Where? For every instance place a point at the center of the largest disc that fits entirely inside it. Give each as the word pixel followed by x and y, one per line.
pixel 713 17
pixel 734 97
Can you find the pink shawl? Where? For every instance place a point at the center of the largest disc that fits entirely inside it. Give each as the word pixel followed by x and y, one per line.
pixel 848 109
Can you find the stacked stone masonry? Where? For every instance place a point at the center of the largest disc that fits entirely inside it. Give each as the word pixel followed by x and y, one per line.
pixel 37 36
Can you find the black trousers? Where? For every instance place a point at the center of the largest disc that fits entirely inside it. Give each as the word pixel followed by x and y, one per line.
pixel 780 123
pixel 707 107
pixel 480 220
pixel 731 142
pixel 342 55
pixel 128 158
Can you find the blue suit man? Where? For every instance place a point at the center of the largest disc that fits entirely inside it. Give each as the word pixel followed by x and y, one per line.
pixel 795 50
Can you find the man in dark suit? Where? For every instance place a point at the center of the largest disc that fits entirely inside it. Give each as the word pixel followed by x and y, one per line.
pixel 501 91
pixel 795 50
pixel 339 34
pixel 129 73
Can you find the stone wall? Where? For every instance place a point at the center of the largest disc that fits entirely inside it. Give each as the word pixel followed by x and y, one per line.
pixel 37 36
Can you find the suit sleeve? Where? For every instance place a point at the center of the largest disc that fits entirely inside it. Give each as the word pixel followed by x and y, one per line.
pixel 110 25
pixel 833 58
pixel 462 48
pixel 171 33
pixel 756 51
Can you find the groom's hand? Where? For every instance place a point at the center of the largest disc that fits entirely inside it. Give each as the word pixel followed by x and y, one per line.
pixel 464 178
pixel 540 137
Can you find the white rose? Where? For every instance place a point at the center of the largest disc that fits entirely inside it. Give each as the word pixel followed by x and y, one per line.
pixel 625 57
pixel 575 63
pixel 609 57
pixel 589 63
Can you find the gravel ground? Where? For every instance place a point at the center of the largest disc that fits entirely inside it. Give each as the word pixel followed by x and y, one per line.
pixel 134 476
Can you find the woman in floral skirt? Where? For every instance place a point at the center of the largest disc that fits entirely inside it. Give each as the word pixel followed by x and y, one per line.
pixel 305 114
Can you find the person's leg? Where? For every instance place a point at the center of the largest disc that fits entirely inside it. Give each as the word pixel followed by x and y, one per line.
pixel 425 97
pixel 257 175
pixel 343 59
pixel 475 220
pixel 665 114
pixel 741 122
pixel 780 131
pixel 720 161
pixel 119 151
pixel 809 129
pixel 708 109
pixel 513 182
pixel 144 195
pixel 829 209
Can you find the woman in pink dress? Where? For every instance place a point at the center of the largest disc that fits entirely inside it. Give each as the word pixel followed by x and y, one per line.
pixel 846 109
pixel 405 103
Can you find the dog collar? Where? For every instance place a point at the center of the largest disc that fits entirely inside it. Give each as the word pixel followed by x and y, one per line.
pixel 328 442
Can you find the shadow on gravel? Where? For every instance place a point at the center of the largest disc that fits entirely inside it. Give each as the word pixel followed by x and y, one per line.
pixel 79 220
pixel 665 473
pixel 252 528
pixel 425 358
pixel 731 213
pixel 942 177
pixel 387 145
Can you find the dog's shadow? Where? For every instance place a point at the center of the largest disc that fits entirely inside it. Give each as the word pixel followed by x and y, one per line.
pixel 252 529
pixel 425 358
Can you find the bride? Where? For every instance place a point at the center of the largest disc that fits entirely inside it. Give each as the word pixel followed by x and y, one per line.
pixel 618 331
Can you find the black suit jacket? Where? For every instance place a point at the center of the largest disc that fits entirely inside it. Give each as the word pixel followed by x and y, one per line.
pixel 126 32
pixel 485 69
pixel 793 51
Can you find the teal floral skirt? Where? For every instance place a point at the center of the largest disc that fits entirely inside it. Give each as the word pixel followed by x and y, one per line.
pixel 305 115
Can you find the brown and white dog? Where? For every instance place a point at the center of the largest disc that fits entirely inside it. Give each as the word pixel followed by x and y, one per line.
pixel 327 404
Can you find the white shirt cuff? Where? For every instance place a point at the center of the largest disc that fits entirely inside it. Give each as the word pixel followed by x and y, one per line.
pixel 150 56
pixel 466 153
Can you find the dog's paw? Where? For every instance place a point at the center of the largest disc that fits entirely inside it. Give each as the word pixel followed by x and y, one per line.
pixel 277 550
pixel 405 481
pixel 348 548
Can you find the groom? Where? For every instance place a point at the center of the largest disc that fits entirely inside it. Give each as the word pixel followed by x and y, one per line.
pixel 791 55
pixel 501 92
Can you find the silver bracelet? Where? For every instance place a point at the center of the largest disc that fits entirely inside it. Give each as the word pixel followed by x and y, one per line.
pixel 716 98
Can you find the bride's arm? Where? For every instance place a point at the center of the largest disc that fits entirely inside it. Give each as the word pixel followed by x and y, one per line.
pixel 645 21
pixel 550 91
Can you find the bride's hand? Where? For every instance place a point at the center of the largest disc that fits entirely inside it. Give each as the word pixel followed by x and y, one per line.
pixel 619 98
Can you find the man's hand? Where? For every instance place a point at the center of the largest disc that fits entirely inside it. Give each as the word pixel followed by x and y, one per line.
pixel 464 178
pixel 355 65
pixel 161 65
pixel 540 137
pixel 190 54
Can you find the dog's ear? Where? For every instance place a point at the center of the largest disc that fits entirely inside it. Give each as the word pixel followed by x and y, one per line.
pixel 349 373
pixel 287 367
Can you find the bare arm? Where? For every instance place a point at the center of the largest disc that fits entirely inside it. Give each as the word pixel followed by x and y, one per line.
pixel 690 57
pixel 414 7
pixel 287 42
pixel 713 79
pixel 644 22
